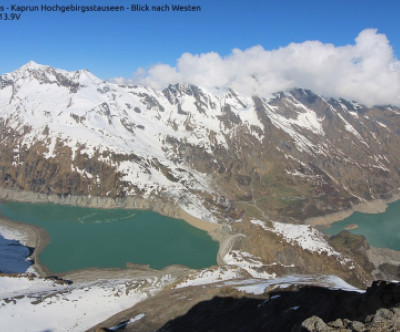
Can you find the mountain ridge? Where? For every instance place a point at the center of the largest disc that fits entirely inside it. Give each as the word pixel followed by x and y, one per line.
pixel 93 111
pixel 244 162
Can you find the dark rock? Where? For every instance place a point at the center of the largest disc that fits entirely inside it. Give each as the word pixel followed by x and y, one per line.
pixel 344 310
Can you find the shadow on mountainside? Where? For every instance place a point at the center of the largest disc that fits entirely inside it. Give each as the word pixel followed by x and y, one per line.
pixel 13 256
pixel 286 310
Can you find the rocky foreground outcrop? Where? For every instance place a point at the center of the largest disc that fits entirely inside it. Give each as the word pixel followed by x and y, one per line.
pixel 304 309
pixel 385 320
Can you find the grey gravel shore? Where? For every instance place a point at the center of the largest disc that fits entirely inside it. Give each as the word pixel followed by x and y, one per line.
pixel 370 207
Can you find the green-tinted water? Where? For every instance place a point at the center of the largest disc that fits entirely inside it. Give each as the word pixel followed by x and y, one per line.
pixel 87 237
pixel 381 230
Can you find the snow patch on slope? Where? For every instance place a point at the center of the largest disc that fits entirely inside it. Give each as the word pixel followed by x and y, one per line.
pixel 209 276
pixel 247 262
pixel 305 119
pixel 305 236
pixel 46 305
pixel 259 287
pixel 351 129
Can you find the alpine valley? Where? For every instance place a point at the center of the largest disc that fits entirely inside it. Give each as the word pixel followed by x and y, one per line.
pixel 256 171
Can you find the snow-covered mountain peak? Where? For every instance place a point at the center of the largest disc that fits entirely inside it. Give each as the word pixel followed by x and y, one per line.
pixel 32 65
pixel 33 73
pixel 84 76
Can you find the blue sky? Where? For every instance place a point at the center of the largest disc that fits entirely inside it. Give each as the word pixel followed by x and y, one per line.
pixel 116 44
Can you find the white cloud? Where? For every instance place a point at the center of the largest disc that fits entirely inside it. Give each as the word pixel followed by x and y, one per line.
pixel 366 71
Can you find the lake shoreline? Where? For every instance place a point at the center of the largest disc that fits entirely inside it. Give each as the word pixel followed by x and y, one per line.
pixel 37 238
pixel 368 207
pixel 130 203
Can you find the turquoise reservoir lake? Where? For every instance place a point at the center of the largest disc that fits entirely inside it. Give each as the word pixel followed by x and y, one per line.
pixel 381 230
pixel 109 238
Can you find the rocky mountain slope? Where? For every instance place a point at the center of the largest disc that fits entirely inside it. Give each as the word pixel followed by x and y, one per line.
pixel 250 163
pixel 216 155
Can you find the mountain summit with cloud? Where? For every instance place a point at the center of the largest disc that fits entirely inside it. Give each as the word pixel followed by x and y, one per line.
pixel 366 71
